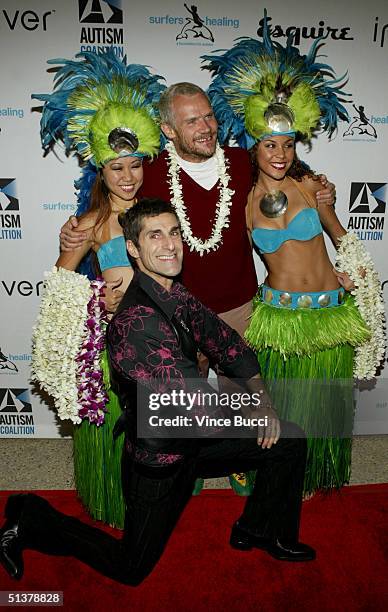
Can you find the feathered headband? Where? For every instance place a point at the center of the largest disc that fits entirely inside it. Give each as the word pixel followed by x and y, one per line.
pixel 262 88
pixel 102 108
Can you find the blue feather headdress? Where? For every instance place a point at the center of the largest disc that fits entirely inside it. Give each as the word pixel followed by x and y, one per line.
pixel 94 96
pixel 263 88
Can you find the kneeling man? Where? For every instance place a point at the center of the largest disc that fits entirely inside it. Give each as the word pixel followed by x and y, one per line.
pixel 152 343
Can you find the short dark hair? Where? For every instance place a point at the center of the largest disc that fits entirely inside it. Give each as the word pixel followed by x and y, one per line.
pixel 132 220
pixel 177 89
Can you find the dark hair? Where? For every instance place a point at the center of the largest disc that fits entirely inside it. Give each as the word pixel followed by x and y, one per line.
pixel 132 220
pixel 99 201
pixel 298 169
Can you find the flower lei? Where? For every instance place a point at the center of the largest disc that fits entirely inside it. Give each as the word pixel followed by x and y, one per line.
pixel 223 204
pixel 92 397
pixel 353 258
pixel 66 344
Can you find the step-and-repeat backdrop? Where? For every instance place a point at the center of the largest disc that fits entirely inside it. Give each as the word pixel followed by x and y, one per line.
pixel 37 193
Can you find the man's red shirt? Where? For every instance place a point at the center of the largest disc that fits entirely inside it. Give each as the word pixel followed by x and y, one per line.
pixel 223 279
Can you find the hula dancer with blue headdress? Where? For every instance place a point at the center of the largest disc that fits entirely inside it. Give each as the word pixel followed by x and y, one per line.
pixel 314 326
pixel 104 111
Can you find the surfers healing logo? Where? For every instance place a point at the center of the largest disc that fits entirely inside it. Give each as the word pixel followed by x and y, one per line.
pixel 6 363
pixel 361 125
pixel 195 26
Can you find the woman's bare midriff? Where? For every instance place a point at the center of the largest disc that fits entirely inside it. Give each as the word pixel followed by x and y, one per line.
pixel 301 266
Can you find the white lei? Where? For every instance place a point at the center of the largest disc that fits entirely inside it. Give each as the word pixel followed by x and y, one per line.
pixel 223 204
pixel 353 258
pixel 66 345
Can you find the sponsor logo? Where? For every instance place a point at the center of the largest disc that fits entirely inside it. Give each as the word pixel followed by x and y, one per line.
pixel 59 206
pixel 361 126
pixel 9 362
pixel 23 288
pixel 300 33
pixel 11 112
pixel 10 225
pixel 195 28
pixel 100 11
pixel 28 20
pixel 6 364
pixel 367 206
pixel 16 416
pixel 380 33
pixel 108 15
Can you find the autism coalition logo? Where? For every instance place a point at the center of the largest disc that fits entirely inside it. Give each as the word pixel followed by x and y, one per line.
pixel 16 416
pixel 94 11
pixel 108 15
pixel 367 206
pixel 361 127
pixel 10 227
pixel 305 32
pixel 6 365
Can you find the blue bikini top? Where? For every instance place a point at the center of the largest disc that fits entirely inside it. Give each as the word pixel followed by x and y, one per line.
pixel 304 226
pixel 113 254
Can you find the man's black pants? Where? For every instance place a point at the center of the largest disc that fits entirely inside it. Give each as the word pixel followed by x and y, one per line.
pixel 154 505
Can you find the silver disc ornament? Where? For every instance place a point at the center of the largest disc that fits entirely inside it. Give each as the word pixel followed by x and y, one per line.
pixel 123 141
pixel 274 204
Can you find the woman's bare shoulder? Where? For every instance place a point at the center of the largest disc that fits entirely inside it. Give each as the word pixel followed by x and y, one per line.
pixel 255 193
pixel 311 184
pixel 94 230
pixel 88 220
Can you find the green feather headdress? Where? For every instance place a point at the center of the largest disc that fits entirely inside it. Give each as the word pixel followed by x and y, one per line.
pixel 100 103
pixel 99 108
pixel 263 88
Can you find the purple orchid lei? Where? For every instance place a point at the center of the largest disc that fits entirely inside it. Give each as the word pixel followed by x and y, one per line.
pixel 92 396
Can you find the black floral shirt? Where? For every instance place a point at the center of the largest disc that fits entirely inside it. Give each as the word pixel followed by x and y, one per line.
pixel 143 345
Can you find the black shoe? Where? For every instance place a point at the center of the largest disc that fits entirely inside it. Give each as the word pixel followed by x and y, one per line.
pixel 245 540
pixel 10 544
pixel 11 550
pixel 14 506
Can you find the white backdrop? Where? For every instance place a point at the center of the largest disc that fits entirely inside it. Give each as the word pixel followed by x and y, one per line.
pixel 37 194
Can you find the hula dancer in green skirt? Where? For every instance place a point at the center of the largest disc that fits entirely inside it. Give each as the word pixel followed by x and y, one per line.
pixel 306 326
pixel 104 111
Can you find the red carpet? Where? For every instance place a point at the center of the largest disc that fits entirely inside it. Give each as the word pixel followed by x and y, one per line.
pixel 199 571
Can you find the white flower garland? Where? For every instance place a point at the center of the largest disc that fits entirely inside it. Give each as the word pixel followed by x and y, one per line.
pixel 59 337
pixel 223 204
pixel 353 258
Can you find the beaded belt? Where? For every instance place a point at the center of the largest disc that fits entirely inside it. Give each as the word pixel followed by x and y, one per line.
pixel 295 299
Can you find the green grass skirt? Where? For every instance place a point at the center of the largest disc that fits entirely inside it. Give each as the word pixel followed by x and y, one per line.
pixel 300 352
pixel 97 463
